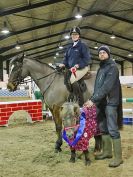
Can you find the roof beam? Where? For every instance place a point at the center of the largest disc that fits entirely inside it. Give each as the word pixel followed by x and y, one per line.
pixel 6 57
pixel 5 12
pixel 121 56
pixel 4 49
pixel 109 33
pixel 43 26
pixel 41 57
pixel 59 22
pixel 102 42
pixel 116 17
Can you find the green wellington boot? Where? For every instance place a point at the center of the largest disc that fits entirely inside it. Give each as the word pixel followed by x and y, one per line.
pixel 107 148
pixel 117 160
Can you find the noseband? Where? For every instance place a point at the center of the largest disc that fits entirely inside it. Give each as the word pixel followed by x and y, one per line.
pixel 19 78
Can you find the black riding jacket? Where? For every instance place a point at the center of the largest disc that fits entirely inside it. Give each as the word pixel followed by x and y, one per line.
pixel 107 84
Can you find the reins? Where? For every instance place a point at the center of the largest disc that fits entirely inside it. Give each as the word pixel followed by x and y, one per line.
pixel 49 85
pixel 46 75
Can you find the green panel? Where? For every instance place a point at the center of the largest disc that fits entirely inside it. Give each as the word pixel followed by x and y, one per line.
pixel 38 95
pixel 129 100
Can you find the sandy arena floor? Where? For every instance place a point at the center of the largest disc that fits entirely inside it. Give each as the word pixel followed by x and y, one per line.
pixel 27 150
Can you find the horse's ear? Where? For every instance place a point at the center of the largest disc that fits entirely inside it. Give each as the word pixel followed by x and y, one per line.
pixel 21 57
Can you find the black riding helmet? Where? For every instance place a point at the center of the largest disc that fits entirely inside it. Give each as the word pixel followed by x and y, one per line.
pixel 75 29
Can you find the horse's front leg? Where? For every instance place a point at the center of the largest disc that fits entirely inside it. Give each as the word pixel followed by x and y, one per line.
pixel 58 125
pixel 87 159
pixel 73 156
pixel 98 143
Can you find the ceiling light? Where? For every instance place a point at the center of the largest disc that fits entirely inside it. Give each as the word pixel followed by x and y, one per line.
pixel 60 46
pixel 129 55
pixel 57 53
pixel 5 30
pixel 112 36
pixel 54 57
pixel 78 14
pixel 67 37
pixel 17 46
pixel 96 46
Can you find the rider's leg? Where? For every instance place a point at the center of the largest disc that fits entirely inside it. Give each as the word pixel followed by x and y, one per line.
pixel 75 85
pixel 78 93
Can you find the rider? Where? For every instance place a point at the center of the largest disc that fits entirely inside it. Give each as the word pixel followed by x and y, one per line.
pixel 77 58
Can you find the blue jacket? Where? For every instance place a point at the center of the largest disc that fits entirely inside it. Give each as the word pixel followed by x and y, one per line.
pixel 78 54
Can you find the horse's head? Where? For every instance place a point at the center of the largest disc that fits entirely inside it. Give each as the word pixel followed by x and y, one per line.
pixel 70 117
pixel 15 76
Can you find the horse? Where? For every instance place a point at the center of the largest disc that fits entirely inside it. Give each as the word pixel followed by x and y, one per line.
pixel 79 127
pixel 51 85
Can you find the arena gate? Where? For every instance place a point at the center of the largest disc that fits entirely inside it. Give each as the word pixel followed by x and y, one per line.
pixel 33 107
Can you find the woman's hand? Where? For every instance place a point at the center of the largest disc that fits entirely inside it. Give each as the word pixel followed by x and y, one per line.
pixel 76 66
pixel 61 65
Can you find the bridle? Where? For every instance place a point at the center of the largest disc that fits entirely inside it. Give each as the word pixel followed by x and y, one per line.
pixel 12 85
pixel 79 131
pixel 74 126
pixel 19 79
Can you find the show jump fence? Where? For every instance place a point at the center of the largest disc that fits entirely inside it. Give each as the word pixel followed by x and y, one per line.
pixel 128 119
pixel 32 107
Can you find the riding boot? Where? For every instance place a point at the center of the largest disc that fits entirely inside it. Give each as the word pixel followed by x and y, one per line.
pixel 107 148
pixel 117 153
pixel 78 93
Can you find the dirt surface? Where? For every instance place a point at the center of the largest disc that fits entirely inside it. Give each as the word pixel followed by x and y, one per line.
pixel 27 150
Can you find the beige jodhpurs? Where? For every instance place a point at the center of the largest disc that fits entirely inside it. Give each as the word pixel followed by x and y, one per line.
pixel 79 74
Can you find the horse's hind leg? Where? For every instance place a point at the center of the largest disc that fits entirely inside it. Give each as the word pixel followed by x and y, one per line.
pixel 87 159
pixel 73 156
pixel 58 125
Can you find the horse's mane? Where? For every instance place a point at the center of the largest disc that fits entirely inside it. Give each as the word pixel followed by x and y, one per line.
pixel 40 62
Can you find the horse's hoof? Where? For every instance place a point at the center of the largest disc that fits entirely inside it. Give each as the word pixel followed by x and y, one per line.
pixel 72 160
pixel 97 153
pixel 87 162
pixel 58 150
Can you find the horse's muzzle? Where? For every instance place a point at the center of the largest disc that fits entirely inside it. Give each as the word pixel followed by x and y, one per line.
pixel 11 86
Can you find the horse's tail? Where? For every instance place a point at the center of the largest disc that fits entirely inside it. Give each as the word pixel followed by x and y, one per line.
pixel 120 111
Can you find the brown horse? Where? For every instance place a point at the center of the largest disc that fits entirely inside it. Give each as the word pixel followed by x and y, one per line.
pixel 51 84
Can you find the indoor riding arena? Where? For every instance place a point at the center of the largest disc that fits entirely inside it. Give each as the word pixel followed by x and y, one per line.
pixel 35 35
